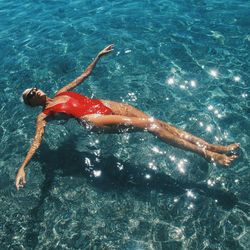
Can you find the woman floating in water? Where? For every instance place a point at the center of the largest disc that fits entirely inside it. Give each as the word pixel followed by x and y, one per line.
pixel 109 116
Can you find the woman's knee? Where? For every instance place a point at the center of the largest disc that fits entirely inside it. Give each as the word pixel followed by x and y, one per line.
pixel 154 127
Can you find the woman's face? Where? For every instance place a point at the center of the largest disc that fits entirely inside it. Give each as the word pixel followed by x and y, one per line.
pixel 34 97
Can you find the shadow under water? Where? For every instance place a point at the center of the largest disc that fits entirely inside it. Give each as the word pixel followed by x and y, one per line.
pixel 112 178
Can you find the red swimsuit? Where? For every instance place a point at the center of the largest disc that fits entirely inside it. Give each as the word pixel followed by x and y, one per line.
pixel 78 106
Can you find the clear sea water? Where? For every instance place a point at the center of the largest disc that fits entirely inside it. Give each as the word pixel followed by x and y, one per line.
pixel 183 61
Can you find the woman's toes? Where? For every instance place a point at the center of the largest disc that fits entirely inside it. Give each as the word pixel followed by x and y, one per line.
pixel 233 157
pixel 233 146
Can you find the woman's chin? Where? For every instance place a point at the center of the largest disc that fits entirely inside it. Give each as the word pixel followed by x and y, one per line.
pixel 42 98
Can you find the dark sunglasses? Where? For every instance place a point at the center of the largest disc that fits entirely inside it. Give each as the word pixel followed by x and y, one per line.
pixel 31 94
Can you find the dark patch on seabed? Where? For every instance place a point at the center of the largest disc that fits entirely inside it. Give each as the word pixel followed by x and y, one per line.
pixel 70 163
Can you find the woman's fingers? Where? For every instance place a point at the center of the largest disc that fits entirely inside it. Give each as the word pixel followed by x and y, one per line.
pixel 20 180
pixel 107 49
pixel 19 183
pixel 110 47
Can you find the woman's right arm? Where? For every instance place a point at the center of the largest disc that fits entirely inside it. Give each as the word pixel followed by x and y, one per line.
pixel 86 72
pixel 40 126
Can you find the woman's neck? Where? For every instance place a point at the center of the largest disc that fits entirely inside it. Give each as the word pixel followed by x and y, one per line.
pixel 48 100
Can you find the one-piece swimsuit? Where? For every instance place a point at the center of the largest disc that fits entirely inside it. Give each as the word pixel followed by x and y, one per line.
pixel 78 106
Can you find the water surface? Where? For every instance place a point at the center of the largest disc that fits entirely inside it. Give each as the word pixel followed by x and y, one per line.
pixel 186 62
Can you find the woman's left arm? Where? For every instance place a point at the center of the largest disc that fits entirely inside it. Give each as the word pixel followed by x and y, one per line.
pixel 40 125
pixel 87 71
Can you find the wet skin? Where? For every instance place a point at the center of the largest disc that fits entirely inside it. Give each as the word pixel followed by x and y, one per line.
pixel 124 118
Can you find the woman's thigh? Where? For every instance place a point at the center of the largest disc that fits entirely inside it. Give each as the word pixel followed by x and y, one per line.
pixel 124 109
pixel 91 125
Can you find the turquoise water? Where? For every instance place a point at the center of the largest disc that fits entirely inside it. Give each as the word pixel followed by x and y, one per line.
pixel 183 61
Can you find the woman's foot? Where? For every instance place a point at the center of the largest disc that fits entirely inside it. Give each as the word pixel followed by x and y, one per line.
pixel 221 158
pixel 224 149
pixel 232 147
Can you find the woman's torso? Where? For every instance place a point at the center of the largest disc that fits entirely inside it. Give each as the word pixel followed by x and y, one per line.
pixel 75 105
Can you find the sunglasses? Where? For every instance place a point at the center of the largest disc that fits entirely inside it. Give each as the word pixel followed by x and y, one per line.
pixel 31 94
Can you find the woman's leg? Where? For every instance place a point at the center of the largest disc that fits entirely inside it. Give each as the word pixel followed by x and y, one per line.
pixel 198 141
pixel 130 111
pixel 153 126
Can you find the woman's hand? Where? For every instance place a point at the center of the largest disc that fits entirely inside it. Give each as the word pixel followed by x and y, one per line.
pixel 106 50
pixel 20 179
